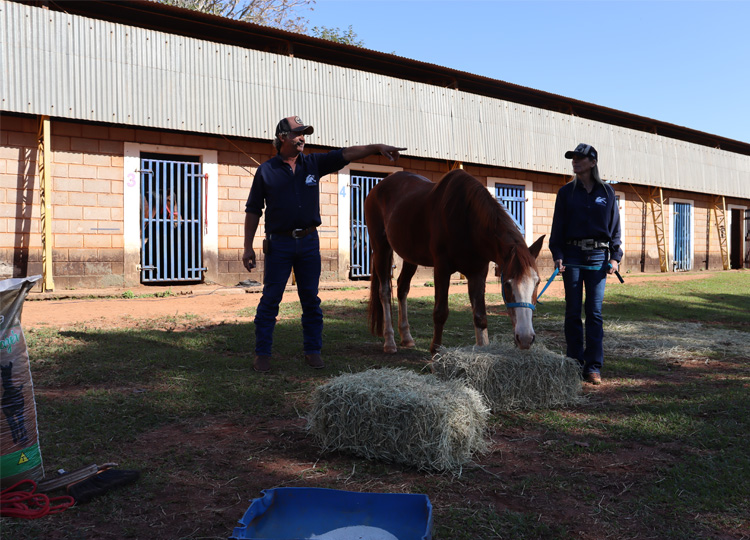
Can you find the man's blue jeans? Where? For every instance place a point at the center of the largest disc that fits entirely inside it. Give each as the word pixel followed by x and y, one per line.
pixel 302 255
pixel 576 280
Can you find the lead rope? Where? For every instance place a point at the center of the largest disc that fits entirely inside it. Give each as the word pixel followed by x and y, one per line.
pixel 550 280
pixel 602 267
pixel 30 505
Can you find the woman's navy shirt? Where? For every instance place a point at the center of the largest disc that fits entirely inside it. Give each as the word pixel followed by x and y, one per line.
pixel 580 215
pixel 292 199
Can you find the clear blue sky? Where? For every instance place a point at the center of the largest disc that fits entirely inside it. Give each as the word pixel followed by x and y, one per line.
pixel 682 62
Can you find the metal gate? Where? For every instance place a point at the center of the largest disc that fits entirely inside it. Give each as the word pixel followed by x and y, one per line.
pixel 171 219
pixel 682 215
pixel 359 245
pixel 513 199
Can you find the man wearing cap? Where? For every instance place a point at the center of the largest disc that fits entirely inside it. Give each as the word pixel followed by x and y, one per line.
pixel 287 185
pixel 585 245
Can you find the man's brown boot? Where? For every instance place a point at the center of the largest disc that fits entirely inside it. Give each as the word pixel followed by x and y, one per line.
pixel 314 361
pixel 262 363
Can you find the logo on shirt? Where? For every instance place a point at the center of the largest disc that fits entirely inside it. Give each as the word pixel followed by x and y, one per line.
pixel 601 201
pixel 311 180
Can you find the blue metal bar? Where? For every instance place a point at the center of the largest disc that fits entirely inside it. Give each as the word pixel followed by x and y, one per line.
pixel 513 199
pixel 172 221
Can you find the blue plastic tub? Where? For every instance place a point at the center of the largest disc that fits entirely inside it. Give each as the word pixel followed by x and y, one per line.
pixel 300 513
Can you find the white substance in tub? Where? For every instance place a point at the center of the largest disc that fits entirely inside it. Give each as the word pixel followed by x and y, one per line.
pixel 358 532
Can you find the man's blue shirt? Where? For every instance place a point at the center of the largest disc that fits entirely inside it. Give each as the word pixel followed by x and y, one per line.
pixel 580 215
pixel 292 199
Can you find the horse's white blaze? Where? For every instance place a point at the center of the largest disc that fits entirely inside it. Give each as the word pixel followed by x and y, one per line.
pixel 523 291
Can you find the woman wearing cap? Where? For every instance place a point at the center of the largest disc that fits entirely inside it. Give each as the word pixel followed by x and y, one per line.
pixel 585 245
pixel 287 186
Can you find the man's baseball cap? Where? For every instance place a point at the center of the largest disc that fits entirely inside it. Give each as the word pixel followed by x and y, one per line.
pixel 583 150
pixel 293 124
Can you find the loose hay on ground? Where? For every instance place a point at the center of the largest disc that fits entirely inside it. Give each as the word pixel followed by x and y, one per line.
pixel 510 378
pixel 399 416
pixel 674 341
pixel 657 340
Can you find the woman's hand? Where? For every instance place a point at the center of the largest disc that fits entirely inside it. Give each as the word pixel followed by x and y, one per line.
pixel 614 266
pixel 559 265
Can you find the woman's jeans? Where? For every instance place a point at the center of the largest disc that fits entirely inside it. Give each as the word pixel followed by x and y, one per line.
pixel 302 255
pixel 575 279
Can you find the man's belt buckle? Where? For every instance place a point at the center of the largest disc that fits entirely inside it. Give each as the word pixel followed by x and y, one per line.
pixel 299 233
pixel 587 244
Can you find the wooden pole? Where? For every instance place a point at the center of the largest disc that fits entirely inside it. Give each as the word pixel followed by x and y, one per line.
pixel 44 161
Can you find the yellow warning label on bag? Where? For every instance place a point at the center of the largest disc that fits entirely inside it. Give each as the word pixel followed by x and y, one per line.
pixel 27 462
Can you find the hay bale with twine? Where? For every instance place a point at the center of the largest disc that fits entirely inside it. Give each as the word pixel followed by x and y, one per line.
pixel 399 416
pixel 512 379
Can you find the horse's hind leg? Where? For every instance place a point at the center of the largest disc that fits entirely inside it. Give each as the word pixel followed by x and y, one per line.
pixel 478 307
pixel 382 260
pixel 404 284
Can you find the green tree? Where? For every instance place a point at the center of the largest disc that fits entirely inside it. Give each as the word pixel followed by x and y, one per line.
pixel 349 37
pixel 275 13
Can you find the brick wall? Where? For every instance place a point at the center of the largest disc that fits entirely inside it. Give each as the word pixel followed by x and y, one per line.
pixel 238 161
pixel 19 198
pixel 87 185
pixel 88 221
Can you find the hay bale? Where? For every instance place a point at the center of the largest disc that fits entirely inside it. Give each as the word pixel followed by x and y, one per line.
pixel 399 416
pixel 510 378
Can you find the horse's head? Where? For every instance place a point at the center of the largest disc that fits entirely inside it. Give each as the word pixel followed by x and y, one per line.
pixel 520 281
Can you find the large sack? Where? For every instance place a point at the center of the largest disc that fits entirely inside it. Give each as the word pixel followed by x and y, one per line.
pixel 20 457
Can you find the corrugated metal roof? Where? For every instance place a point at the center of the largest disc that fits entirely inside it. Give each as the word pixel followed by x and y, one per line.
pixel 80 68
pixel 162 17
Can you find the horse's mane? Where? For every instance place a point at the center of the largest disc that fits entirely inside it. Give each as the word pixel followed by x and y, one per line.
pixel 463 195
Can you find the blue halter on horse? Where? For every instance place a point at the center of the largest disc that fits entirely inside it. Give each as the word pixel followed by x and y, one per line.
pixel 532 307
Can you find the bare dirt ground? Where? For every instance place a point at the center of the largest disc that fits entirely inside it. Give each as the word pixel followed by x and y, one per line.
pixel 219 304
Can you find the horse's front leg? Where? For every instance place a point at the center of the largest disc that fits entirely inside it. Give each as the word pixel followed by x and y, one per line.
pixel 404 284
pixel 440 312
pixel 476 284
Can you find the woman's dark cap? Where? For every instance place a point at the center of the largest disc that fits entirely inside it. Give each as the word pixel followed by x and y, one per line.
pixel 293 124
pixel 583 150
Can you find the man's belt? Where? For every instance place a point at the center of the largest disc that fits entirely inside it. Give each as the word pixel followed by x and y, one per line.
pixel 588 243
pixel 295 233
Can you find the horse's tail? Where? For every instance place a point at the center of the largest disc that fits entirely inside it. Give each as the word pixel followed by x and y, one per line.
pixel 375 314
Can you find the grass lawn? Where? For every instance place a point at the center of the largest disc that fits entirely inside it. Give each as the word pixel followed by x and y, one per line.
pixel 660 450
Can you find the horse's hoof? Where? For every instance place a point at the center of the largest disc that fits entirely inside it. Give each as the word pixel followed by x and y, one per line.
pixel 390 349
pixel 408 344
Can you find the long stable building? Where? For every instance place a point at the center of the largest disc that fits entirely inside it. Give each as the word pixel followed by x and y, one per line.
pixel 129 137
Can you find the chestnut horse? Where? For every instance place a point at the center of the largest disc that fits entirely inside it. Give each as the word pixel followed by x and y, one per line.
pixel 454 225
